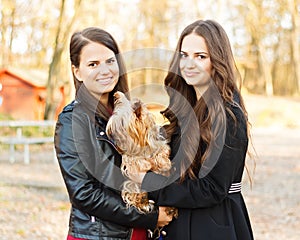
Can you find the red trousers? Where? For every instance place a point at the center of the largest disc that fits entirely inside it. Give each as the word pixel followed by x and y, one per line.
pixel 137 234
pixel 73 238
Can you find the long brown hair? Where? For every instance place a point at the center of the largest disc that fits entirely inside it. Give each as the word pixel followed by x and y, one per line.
pixel 93 34
pixel 224 77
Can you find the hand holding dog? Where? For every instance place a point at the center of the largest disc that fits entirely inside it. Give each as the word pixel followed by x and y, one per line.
pixel 163 217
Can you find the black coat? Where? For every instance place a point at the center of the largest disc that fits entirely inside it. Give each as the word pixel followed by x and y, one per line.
pixel 207 211
pixel 98 211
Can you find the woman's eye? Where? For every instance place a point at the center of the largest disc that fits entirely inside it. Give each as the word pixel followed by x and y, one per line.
pixel 183 55
pixel 93 64
pixel 111 61
pixel 201 56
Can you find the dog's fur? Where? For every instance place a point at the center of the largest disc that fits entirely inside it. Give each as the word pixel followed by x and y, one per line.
pixel 134 131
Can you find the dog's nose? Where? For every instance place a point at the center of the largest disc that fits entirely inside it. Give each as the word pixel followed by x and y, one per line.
pixel 116 95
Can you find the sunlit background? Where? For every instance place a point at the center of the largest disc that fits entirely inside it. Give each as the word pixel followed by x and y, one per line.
pixel 265 38
pixel 264 35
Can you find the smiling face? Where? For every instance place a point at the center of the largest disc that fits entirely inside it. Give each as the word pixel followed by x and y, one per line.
pixel 195 64
pixel 98 70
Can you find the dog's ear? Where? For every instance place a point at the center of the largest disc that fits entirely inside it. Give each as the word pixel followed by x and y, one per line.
pixel 137 109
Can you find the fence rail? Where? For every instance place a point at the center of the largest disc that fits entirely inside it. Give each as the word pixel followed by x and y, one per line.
pixel 19 123
pixel 19 139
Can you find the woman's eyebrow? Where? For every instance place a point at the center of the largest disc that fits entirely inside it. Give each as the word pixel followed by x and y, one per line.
pixel 196 53
pixel 201 52
pixel 113 57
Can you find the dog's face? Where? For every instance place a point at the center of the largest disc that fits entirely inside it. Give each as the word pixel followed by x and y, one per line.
pixel 131 125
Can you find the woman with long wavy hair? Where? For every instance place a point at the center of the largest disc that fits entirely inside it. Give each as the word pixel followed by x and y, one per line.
pixel 208 131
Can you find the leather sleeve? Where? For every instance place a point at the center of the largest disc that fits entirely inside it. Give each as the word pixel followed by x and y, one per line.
pixel 85 191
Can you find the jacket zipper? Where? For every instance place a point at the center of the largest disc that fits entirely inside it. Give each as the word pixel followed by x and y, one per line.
pixel 131 233
pixel 106 140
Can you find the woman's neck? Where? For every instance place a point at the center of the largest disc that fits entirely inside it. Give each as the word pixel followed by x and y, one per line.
pixel 104 99
pixel 200 90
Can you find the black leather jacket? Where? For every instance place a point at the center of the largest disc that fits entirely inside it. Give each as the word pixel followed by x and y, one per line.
pixel 82 147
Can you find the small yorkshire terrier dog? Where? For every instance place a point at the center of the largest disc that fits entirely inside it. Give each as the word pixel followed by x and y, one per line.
pixel 138 138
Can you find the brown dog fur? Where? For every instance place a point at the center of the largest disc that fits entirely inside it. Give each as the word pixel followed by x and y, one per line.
pixel 134 131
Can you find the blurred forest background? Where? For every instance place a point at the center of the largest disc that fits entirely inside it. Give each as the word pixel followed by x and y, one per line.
pixel 265 36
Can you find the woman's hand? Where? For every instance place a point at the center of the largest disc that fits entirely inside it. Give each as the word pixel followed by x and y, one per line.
pixel 163 218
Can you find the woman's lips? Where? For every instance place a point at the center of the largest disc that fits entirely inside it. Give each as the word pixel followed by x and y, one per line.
pixel 105 81
pixel 190 74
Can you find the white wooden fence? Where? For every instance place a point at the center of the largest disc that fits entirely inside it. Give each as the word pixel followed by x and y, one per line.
pixel 19 139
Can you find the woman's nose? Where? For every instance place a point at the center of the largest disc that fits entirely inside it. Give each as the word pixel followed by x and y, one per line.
pixel 190 63
pixel 103 68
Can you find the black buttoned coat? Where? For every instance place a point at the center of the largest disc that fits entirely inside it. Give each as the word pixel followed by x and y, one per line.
pixel 207 211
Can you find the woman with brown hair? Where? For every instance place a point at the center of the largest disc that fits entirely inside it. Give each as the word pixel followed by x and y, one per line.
pixel 208 132
pixel 88 160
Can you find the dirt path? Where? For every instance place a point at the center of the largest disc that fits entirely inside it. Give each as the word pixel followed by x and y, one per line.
pixel 274 201
pixel 34 204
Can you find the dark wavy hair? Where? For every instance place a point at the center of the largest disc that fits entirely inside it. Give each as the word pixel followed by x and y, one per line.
pixel 225 77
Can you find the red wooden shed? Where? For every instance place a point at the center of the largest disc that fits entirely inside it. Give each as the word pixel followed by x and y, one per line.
pixel 22 94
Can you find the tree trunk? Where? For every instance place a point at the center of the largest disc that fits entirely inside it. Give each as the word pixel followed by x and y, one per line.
pixel 50 106
pixel 53 74
pixel 295 34
pixel 266 71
